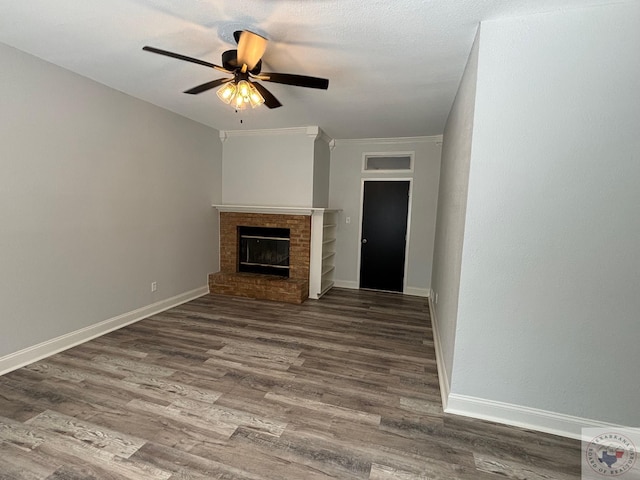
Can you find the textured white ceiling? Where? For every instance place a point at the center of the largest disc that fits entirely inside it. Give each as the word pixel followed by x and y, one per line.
pixel 394 65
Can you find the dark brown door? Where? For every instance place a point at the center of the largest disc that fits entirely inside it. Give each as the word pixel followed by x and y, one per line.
pixel 384 231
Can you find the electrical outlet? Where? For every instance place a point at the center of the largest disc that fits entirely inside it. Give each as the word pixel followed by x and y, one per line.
pixel 154 286
pixel 348 220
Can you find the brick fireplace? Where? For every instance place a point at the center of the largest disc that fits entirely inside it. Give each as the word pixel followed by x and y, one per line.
pixel 294 289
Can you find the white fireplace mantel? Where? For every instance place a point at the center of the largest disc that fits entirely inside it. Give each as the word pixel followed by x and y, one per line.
pixel 308 211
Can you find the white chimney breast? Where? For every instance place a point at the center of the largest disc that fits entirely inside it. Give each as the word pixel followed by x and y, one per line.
pixel 272 167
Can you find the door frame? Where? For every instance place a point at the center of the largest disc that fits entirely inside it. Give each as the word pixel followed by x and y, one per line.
pixel 408 237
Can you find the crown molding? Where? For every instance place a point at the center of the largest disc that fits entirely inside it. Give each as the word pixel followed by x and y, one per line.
pixel 437 139
pixel 312 131
pixel 326 138
pixel 320 134
pixel 316 133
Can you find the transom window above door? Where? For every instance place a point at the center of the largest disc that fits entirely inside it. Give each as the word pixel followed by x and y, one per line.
pixel 387 162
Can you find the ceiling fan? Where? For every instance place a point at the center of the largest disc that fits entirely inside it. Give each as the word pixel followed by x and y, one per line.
pixel 245 64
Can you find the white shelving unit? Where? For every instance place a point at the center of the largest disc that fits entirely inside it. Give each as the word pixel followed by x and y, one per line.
pixel 324 229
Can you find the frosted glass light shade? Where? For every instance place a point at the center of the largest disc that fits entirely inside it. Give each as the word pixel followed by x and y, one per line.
pixel 227 92
pixel 243 88
pixel 255 99
pixel 240 95
pixel 239 102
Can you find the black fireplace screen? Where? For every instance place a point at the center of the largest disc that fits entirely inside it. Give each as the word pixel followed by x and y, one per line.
pixel 264 250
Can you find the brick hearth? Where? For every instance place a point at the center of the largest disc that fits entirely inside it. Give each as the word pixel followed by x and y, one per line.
pixel 294 289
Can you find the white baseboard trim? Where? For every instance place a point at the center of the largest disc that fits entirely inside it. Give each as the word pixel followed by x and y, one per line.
pixel 417 292
pixel 45 349
pixel 443 379
pixel 523 417
pixel 346 284
pixel 506 413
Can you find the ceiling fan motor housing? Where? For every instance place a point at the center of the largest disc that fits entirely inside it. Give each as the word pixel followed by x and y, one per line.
pixel 230 62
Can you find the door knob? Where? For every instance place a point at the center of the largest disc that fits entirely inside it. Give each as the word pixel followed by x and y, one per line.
pixel 364 240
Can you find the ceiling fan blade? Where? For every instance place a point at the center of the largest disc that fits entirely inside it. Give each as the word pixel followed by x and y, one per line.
pixel 251 47
pixel 207 86
pixel 269 100
pixel 297 80
pixel 184 57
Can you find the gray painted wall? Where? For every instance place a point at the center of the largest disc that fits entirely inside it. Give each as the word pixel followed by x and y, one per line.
pixel 321 167
pixel 452 205
pixel 268 169
pixel 548 310
pixel 101 194
pixel 345 193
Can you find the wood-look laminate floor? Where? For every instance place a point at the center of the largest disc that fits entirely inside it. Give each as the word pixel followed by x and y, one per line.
pixel 227 388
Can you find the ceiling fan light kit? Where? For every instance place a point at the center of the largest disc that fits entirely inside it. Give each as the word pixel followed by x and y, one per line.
pixel 244 64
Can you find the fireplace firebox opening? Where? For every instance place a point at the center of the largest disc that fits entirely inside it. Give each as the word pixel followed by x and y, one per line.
pixel 264 250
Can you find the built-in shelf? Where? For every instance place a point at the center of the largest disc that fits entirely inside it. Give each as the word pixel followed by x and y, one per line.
pixel 328 269
pixel 329 231
pixel 326 286
pixel 324 228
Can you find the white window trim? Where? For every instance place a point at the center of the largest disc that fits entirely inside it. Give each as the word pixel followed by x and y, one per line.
pixel 411 156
